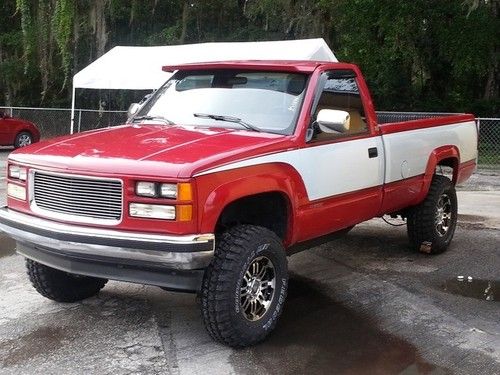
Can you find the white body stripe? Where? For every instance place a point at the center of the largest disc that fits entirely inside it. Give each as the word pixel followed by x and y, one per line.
pixel 328 169
pixel 415 146
pixel 343 167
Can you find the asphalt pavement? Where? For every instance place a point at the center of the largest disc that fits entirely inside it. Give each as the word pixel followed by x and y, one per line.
pixel 362 304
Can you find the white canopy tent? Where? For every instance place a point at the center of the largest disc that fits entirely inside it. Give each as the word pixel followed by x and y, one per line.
pixel 140 68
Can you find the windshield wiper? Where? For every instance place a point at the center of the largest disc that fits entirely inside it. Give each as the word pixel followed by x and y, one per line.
pixel 160 118
pixel 236 120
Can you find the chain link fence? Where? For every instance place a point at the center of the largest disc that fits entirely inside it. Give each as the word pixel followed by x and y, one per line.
pixel 56 121
pixel 489 142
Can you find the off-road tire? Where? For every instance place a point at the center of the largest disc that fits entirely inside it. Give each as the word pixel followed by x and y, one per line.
pixel 422 219
pixel 61 286
pixel 19 137
pixel 221 308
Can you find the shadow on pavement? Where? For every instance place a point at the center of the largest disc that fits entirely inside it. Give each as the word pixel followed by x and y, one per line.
pixel 317 335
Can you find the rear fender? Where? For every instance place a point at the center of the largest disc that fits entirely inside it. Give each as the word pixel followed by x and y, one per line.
pixel 438 155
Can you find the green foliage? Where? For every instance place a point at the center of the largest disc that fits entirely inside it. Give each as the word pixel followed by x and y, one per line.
pixel 23 7
pixel 63 26
pixel 429 55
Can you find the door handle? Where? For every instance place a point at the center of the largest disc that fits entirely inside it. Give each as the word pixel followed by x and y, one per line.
pixel 372 152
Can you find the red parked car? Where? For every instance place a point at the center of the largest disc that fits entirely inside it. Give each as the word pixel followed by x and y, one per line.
pixel 17 132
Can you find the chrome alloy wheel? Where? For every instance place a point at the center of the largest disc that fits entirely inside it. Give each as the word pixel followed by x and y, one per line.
pixel 257 288
pixel 443 215
pixel 24 140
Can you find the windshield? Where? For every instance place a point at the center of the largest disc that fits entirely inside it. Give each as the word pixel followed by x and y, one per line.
pixel 251 100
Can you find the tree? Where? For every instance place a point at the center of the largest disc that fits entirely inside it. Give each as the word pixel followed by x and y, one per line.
pixel 430 55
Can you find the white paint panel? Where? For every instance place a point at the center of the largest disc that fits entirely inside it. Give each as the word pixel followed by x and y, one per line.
pixel 415 147
pixel 328 170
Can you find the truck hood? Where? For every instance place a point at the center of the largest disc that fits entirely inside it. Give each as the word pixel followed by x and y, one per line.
pixel 149 150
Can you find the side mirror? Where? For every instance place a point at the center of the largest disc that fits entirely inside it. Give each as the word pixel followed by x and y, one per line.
pixel 132 110
pixel 333 121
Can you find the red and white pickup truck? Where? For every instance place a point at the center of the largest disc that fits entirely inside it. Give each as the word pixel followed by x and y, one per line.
pixel 225 171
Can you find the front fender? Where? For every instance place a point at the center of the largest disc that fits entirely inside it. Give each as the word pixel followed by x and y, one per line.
pixel 219 189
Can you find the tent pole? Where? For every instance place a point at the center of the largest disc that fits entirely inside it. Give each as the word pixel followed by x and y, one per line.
pixel 73 110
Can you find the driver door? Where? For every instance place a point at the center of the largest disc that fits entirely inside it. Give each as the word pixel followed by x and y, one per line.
pixel 347 168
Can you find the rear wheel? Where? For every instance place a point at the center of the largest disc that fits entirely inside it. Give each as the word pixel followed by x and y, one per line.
pixel 23 139
pixel 431 224
pixel 245 286
pixel 62 286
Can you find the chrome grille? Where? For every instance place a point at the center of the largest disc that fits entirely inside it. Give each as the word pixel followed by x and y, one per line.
pixel 82 197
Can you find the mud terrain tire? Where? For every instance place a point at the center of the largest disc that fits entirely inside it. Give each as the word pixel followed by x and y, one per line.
pixel 61 286
pixel 432 223
pixel 248 273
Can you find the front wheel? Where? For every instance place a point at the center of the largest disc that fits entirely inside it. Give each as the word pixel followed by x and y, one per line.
pixel 245 286
pixel 61 286
pixel 431 224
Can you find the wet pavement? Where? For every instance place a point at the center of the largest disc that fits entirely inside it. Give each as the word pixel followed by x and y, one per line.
pixel 320 335
pixel 7 245
pixel 489 290
pixel 362 304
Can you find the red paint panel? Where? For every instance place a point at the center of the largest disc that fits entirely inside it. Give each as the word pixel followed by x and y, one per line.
pixel 401 194
pixel 396 127
pixel 341 211
pixel 465 170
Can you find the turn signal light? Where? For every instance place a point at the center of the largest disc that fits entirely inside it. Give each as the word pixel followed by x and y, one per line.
pixel 184 212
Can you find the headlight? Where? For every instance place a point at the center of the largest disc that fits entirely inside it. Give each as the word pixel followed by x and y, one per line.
pixel 181 191
pixel 168 191
pixel 16 191
pixel 152 211
pixel 146 189
pixel 18 172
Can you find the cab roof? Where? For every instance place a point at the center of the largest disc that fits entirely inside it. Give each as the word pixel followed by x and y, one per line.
pixel 298 66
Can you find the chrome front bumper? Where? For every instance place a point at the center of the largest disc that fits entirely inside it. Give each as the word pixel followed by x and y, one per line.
pixel 124 255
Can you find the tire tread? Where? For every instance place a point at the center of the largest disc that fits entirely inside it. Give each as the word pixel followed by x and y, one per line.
pixel 61 286
pixel 216 289
pixel 421 217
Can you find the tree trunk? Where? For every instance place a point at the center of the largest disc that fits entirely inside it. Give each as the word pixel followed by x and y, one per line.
pixel 185 19
pixel 99 26
pixel 492 89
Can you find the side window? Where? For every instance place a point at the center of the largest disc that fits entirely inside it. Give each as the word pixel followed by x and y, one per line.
pixel 340 91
